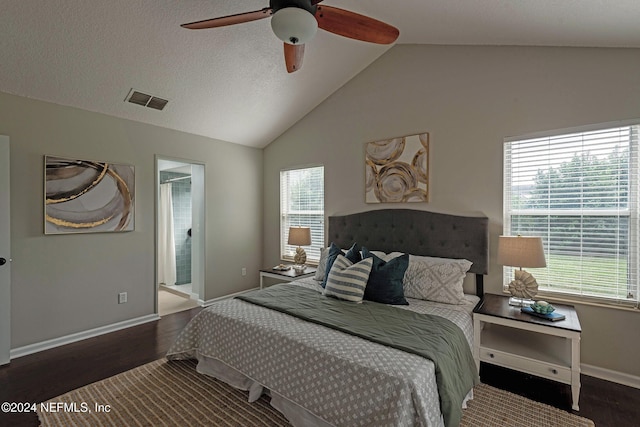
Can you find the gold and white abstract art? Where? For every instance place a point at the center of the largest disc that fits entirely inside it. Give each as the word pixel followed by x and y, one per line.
pixel 84 196
pixel 397 170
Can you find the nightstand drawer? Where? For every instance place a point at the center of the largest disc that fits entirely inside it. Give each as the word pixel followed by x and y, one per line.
pixel 525 364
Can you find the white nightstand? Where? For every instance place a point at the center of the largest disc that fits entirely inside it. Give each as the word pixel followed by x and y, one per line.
pixel 505 336
pixel 286 275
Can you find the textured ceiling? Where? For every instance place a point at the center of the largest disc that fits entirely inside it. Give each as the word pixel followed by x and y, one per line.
pixel 230 83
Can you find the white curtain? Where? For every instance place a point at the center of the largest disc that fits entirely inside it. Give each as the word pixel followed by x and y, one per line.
pixel 166 241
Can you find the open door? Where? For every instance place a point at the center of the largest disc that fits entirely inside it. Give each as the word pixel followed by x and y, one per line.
pixel 5 256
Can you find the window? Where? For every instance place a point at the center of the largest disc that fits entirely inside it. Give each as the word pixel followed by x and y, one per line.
pixel 578 191
pixel 302 204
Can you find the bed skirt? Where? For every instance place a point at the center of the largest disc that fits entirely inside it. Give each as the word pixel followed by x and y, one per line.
pixel 297 415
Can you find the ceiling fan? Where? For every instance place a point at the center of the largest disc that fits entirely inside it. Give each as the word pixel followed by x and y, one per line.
pixel 295 22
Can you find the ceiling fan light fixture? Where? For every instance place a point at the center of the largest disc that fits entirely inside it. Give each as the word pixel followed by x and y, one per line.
pixel 293 25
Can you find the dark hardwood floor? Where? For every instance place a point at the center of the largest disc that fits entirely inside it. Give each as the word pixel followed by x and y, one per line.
pixel 47 374
pixel 604 402
pixel 44 375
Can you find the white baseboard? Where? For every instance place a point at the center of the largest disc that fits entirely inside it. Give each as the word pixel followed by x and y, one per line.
pixel 211 301
pixel 78 336
pixel 609 375
pixel 68 339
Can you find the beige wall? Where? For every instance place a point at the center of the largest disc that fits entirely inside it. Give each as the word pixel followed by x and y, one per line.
pixel 63 284
pixel 468 99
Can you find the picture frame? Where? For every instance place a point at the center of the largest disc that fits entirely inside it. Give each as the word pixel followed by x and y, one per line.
pixel 87 196
pixel 397 170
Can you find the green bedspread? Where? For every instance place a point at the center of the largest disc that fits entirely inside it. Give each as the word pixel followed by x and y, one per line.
pixel 433 337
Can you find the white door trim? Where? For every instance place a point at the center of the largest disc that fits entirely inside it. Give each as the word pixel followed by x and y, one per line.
pixel 5 253
pixel 198 222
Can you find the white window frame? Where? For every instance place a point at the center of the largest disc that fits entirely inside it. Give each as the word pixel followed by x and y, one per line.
pixel 316 222
pixel 631 212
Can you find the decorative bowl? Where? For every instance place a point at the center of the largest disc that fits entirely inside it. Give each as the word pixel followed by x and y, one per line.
pixel 542 307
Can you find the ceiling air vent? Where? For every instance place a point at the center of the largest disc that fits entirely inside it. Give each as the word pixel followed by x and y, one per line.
pixel 145 100
pixel 157 103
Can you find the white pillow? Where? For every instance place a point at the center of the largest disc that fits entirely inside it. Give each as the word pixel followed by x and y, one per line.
pixel 379 254
pixel 347 280
pixel 436 279
pixel 386 257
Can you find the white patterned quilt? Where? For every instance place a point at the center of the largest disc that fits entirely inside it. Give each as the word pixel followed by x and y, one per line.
pixel 343 379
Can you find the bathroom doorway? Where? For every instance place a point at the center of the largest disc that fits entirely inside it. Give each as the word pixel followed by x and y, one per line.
pixel 179 235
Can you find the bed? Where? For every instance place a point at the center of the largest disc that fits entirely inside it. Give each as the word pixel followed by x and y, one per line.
pixel 321 375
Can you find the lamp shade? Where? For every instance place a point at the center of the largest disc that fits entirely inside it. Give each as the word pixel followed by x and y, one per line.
pixel 293 25
pixel 299 236
pixel 519 251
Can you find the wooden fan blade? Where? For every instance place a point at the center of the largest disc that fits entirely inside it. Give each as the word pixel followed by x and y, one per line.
pixel 229 20
pixel 355 26
pixel 293 54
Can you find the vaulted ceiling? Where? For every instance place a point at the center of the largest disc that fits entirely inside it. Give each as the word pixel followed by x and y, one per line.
pixel 230 83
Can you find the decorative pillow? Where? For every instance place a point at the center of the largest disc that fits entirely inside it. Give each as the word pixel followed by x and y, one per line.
pixel 353 255
pixel 389 256
pixel 384 256
pixel 347 280
pixel 385 280
pixel 321 271
pixel 379 254
pixel 436 279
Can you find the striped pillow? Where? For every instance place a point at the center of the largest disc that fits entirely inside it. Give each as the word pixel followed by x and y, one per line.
pixel 347 280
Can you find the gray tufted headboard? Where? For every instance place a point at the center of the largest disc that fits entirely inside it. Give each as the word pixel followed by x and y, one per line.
pixel 419 233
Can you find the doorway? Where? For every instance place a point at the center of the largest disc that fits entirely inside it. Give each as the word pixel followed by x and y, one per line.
pixel 179 235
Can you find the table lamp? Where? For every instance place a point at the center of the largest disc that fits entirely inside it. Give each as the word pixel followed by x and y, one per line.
pixel 299 236
pixel 519 251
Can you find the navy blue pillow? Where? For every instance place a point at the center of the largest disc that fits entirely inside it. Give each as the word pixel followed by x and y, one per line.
pixel 353 255
pixel 385 280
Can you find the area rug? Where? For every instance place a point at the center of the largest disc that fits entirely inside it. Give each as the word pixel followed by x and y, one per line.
pixel 163 393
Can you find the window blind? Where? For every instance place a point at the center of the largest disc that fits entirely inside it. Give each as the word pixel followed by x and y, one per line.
pixel 579 192
pixel 302 204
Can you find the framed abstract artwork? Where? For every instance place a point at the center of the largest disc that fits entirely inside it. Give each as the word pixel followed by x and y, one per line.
pixel 397 170
pixel 86 196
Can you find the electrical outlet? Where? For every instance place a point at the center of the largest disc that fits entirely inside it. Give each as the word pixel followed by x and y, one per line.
pixel 122 297
pixel 244 271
